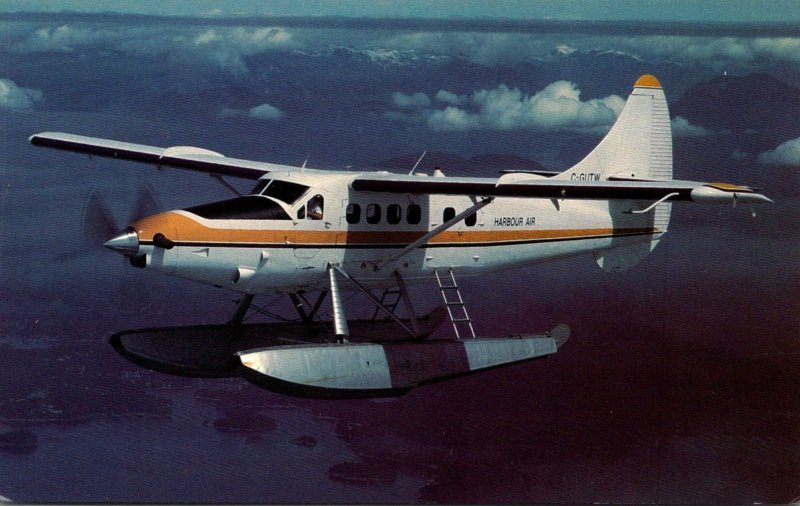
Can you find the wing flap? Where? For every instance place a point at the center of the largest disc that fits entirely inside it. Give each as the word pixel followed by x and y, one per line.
pixel 181 157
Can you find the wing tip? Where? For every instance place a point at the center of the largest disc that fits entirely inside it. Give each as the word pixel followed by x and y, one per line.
pixel 33 139
pixel 40 138
pixel 647 81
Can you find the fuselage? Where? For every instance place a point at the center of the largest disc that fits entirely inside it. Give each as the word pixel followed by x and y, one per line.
pixel 283 236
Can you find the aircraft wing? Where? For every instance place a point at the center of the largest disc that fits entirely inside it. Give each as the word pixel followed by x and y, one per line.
pixel 626 189
pixel 181 157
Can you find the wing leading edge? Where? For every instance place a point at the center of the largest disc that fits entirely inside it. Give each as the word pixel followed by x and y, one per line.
pixel 181 157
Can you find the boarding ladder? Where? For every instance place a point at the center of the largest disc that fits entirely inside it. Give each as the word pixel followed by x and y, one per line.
pixel 454 303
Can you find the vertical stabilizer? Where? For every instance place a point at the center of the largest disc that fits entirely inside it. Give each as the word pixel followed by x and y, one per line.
pixel 638 146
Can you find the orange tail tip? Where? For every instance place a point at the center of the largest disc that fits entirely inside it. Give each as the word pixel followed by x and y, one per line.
pixel 647 81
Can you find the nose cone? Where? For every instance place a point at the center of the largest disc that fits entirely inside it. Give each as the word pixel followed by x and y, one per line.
pixel 127 242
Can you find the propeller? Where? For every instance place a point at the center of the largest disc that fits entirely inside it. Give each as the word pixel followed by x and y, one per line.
pixel 124 290
pixel 98 223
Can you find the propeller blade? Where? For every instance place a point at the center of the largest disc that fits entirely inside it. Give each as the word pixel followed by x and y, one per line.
pixel 147 203
pixel 97 221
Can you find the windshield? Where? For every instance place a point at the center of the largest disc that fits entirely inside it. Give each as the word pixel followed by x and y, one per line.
pixel 281 190
pixel 241 208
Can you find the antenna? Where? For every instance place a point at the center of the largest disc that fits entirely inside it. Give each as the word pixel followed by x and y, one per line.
pixel 420 159
pixel 305 161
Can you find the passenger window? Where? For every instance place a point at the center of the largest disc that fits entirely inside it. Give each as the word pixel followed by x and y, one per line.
pixel 449 214
pixel 393 214
pixel 471 220
pixel 373 213
pixel 314 207
pixel 353 213
pixel 413 214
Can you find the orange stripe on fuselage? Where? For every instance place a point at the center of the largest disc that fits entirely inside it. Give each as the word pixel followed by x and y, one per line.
pixel 190 231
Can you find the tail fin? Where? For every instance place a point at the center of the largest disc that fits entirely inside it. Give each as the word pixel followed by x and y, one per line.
pixel 638 146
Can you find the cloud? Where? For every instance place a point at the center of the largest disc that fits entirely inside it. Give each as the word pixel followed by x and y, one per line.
pixel 246 41
pixel 453 119
pixel 63 39
pixel 682 128
pixel 451 98
pixel 207 37
pixel 413 101
pixel 783 48
pixel 254 40
pixel 264 111
pixel 787 153
pixel 16 98
pixel 484 48
pixel 212 13
pixel 227 47
pixel 557 107
pixel 718 53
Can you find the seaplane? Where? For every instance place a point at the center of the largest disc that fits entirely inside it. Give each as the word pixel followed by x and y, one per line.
pixel 303 230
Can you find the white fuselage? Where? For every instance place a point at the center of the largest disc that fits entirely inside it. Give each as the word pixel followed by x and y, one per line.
pixel 231 244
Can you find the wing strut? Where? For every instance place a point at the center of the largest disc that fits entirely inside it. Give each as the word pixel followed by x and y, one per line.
pixel 436 231
pixel 389 313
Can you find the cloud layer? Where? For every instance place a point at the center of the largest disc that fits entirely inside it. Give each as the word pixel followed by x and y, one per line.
pixel 556 107
pixel 225 47
pixel 229 46
pixel 509 48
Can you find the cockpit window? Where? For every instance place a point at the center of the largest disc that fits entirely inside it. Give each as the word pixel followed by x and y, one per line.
pixel 281 190
pixel 251 207
pixel 259 187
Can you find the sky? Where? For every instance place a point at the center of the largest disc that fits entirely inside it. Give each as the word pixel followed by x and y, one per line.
pixel 673 10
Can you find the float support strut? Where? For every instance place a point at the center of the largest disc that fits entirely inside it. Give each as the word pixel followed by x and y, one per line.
pixel 401 284
pixel 241 310
pixel 375 301
pixel 339 319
